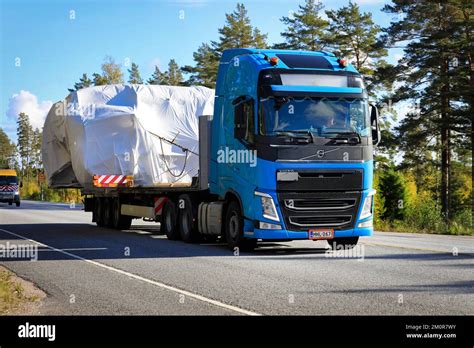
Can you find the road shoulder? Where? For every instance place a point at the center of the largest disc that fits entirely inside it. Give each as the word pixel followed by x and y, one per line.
pixel 18 296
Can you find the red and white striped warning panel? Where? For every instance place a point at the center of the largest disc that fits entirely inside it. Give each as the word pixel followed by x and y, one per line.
pixel 113 180
pixel 159 204
pixel 8 188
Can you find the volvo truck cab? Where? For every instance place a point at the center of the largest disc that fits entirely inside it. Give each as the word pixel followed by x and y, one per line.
pixel 306 118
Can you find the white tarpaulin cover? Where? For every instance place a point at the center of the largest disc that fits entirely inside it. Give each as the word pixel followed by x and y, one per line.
pixel 116 129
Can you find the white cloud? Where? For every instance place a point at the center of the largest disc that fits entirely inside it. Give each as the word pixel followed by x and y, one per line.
pixel 28 103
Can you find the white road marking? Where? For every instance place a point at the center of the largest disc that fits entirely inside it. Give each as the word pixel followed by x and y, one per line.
pixel 441 251
pixel 137 277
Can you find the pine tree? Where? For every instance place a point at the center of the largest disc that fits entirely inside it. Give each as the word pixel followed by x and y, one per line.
pixel 158 77
pixel 35 160
pixel 25 138
pixel 175 76
pixel 7 151
pixel 135 77
pixel 355 36
pixel 84 82
pixel 306 29
pixel 236 33
pixel 205 71
pixel 394 194
pixel 429 77
pixel 99 80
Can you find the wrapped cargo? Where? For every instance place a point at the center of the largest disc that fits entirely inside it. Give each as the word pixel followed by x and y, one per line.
pixel 148 131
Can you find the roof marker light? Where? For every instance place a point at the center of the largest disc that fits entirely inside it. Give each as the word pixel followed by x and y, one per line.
pixel 342 63
pixel 273 61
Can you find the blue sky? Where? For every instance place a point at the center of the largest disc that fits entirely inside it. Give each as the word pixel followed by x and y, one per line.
pixel 47 45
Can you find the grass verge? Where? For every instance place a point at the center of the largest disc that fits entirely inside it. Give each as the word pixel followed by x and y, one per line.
pixel 16 295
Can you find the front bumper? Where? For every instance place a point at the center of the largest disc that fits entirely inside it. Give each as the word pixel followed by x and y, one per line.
pixel 7 198
pixel 291 235
pixel 320 212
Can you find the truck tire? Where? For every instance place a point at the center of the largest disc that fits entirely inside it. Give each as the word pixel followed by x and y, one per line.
pixel 108 212
pixel 119 221
pixel 10 203
pixel 169 224
pixel 345 242
pixel 17 204
pixel 99 206
pixel 234 229
pixel 186 219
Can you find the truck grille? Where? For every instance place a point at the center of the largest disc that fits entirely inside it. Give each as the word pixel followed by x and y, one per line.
pixel 320 221
pixel 303 211
pixel 320 204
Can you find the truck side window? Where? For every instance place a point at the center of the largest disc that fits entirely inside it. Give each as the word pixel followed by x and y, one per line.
pixel 244 118
pixel 249 109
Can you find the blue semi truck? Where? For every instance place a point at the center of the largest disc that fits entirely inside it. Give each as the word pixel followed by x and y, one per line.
pixel 286 155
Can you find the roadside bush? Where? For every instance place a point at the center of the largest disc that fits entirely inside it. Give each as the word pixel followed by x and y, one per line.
pixel 394 193
pixel 462 223
pixel 423 214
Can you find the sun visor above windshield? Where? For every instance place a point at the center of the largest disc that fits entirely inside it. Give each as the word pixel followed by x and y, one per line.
pixel 313 91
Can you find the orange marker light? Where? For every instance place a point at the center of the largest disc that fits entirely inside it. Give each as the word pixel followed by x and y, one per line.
pixel 273 61
pixel 342 63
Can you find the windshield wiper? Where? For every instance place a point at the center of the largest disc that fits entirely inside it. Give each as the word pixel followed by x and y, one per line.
pixel 347 136
pixel 293 134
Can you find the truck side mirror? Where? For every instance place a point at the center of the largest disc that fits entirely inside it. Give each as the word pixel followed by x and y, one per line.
pixel 374 124
pixel 243 108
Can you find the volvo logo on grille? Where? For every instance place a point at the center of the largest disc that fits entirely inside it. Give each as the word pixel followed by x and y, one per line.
pixel 320 153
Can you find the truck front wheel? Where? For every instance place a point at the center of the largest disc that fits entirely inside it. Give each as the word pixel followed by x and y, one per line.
pixel 345 242
pixel 168 221
pixel 234 229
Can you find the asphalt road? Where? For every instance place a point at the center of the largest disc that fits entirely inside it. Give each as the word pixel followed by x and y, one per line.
pixel 89 270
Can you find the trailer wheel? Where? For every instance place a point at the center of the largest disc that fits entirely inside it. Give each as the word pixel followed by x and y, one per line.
pixel 187 214
pixel 99 211
pixel 119 221
pixel 234 229
pixel 108 212
pixel 346 242
pixel 169 224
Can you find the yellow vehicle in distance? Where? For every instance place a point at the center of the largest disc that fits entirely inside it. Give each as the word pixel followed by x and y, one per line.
pixel 9 187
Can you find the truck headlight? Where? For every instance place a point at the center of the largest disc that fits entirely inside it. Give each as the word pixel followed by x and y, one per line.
pixel 367 207
pixel 268 206
pixel 16 193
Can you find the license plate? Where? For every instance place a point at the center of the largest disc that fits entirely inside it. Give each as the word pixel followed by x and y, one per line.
pixel 321 234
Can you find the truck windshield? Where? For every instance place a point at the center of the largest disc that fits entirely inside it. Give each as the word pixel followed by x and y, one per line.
pixel 8 180
pixel 321 116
